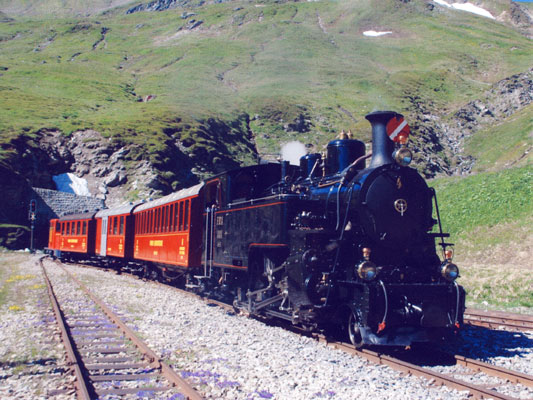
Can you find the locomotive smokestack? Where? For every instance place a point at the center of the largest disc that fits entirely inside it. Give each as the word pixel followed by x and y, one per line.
pixel 382 145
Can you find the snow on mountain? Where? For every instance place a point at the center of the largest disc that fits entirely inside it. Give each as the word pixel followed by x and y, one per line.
pixel 466 7
pixel 374 33
pixel 70 183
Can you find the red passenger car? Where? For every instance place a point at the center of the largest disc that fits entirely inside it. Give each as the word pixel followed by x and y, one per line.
pixel 73 234
pixel 54 235
pixel 169 230
pixel 114 232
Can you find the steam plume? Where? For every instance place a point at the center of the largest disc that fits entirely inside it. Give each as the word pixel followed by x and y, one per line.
pixel 292 152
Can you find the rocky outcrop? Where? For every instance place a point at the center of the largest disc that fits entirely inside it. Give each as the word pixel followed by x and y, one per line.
pixel 428 150
pixel 116 171
pixel 522 17
pixel 14 224
pixel 498 103
pixel 302 123
pixel 88 155
pixel 162 5
pixel 439 140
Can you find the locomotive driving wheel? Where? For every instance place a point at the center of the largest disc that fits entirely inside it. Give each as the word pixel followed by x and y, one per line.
pixel 354 330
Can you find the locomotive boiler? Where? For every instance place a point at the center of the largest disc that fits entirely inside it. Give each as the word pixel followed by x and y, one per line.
pixel 328 245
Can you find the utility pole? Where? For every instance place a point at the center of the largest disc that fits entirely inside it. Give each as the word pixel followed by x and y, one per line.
pixel 32 216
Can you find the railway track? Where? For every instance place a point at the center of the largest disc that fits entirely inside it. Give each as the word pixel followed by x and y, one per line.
pixel 479 391
pixel 107 358
pixel 498 319
pixel 463 366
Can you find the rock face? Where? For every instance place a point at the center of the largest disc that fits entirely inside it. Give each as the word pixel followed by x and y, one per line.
pixel 14 224
pixel 118 172
pixel 440 139
pixel 501 101
pixel 88 155
pixel 161 5
pixel 522 17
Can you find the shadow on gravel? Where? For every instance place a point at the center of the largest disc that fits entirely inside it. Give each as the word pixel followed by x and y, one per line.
pixel 25 363
pixel 476 342
pixel 482 343
pixel 422 355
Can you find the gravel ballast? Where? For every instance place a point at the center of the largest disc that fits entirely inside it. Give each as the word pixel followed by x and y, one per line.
pixel 32 358
pixel 226 356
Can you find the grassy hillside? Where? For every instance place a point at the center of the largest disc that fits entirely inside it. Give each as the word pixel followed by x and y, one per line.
pixel 279 61
pixel 58 7
pixel 473 206
pixel 490 218
pixel 490 213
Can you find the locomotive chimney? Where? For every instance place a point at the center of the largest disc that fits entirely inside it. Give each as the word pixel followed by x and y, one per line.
pixel 382 145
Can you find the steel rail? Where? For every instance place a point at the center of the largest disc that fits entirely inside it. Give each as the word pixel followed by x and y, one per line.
pixel 155 361
pixel 406 367
pixel 74 361
pixel 493 370
pixel 492 319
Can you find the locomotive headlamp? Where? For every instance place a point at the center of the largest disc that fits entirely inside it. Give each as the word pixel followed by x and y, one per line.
pixel 448 254
pixel 449 271
pixel 403 137
pixel 403 156
pixel 367 270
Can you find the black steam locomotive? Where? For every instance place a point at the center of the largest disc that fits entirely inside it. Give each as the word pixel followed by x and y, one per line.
pixel 326 245
pixel 333 243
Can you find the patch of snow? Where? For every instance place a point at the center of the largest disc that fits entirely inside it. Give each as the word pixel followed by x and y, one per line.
pixel 70 183
pixel 473 9
pixel 466 7
pixel 374 33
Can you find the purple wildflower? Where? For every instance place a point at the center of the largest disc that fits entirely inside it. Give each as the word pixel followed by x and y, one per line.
pixel 225 384
pixel 265 394
pixel 145 394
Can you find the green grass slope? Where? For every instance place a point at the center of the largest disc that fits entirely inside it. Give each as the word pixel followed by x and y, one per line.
pixel 490 218
pixel 78 8
pixel 276 60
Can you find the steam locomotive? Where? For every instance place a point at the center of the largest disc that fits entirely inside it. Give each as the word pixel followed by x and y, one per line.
pixel 330 244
